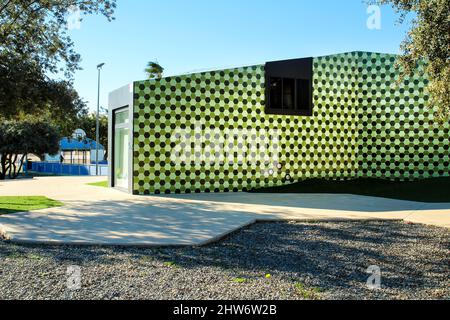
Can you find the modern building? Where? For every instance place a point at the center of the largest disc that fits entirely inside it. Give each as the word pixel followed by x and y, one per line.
pixel 334 117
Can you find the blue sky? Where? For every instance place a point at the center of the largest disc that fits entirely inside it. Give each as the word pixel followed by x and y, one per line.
pixel 190 35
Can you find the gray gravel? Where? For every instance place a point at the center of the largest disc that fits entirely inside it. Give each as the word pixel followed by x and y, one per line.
pixel 319 260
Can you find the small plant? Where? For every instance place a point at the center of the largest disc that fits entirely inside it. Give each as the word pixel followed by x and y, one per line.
pixel 239 280
pixel 170 264
pixel 307 293
pixel 15 255
pixel 35 256
pixel 146 259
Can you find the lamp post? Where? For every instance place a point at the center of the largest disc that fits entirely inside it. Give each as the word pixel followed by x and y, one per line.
pixel 97 125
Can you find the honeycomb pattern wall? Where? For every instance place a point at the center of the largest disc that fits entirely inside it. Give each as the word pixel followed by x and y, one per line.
pixel 362 125
pixel 397 137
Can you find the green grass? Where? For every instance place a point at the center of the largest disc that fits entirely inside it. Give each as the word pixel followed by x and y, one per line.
pixel 427 190
pixel 23 204
pixel 103 184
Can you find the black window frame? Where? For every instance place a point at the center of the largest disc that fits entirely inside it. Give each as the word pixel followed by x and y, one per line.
pixel 297 70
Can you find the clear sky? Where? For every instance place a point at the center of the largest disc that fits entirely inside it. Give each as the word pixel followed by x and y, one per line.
pixel 190 35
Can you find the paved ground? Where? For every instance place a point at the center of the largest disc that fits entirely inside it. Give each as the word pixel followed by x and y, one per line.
pixel 316 260
pixel 95 215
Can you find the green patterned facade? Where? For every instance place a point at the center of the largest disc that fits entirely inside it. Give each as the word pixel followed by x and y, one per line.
pixel 364 124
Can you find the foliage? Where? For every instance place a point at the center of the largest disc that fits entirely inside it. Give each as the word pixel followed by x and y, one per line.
pixel 37 30
pixel 19 138
pixel 429 40
pixel 34 43
pixel 25 91
pixel 154 70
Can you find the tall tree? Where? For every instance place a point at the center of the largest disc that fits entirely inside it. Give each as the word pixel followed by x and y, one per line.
pixel 154 70
pixel 34 43
pixel 428 40
pixel 26 91
pixel 36 30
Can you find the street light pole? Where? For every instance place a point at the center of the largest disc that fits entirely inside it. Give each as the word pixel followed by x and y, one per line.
pixel 97 125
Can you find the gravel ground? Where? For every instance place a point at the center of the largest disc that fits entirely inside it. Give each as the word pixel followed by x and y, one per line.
pixel 319 260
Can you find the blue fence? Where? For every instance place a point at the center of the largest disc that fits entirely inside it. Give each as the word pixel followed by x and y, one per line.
pixel 69 169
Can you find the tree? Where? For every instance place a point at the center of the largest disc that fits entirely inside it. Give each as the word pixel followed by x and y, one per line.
pixel 428 40
pixel 88 124
pixel 36 30
pixel 19 138
pixel 34 43
pixel 25 91
pixel 154 70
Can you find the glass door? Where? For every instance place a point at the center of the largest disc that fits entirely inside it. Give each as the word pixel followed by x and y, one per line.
pixel 121 148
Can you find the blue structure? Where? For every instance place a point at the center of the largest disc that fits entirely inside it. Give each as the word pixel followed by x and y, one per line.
pixel 68 169
pixel 76 157
pixel 75 144
pixel 78 151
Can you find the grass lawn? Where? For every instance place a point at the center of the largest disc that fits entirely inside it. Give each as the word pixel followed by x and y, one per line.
pixel 23 204
pixel 427 190
pixel 103 184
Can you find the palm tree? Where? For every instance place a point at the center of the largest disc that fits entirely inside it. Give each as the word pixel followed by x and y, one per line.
pixel 154 70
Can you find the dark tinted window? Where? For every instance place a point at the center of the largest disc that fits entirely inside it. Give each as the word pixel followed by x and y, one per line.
pixel 289 94
pixel 289 87
pixel 303 94
pixel 276 92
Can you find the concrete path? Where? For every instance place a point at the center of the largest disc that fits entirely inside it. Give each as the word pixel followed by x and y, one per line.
pixel 95 215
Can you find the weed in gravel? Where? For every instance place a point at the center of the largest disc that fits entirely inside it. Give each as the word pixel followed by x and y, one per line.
pixel 170 264
pixel 15 255
pixel 307 293
pixel 239 280
pixel 24 255
pixel 146 259
pixel 35 256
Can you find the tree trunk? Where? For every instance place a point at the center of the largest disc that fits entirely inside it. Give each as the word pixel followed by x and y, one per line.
pixel 8 158
pixel 13 167
pixel 22 159
pixel 3 167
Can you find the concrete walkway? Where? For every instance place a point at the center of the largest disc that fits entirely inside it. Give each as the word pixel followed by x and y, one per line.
pixel 95 215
